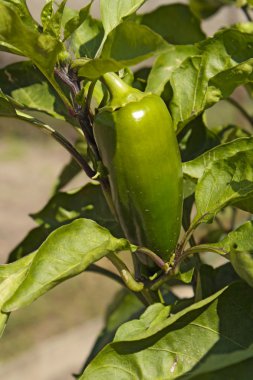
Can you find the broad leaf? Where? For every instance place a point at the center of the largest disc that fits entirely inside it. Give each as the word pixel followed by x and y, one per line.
pixel 142 43
pixel 6 108
pixel 196 138
pixel 20 7
pixel 165 64
pixel 223 183
pixel 68 251
pixel 174 347
pixel 124 307
pixel 226 81
pixel 11 277
pixel 86 39
pixel 190 81
pixel 205 9
pixel 30 243
pixel 224 366
pixel 113 12
pixel 24 83
pixel 19 38
pixel 197 167
pixel 62 208
pixel 86 202
pixel 167 19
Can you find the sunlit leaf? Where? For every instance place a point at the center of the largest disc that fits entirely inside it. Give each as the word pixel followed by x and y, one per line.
pixel 68 251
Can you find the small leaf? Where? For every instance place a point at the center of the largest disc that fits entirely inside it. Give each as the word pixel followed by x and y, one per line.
pixel 68 251
pixel 238 247
pixel 124 307
pixel 113 12
pixel 168 18
pixel 73 24
pixel 46 13
pixel 223 183
pixel 86 39
pixel 53 26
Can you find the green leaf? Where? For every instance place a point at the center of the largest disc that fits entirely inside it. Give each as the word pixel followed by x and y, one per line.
pixel 172 351
pixel 224 366
pixel 20 7
pixel 86 202
pixel 226 81
pixel 205 9
pixel 142 43
pixel 167 19
pixel 73 24
pixel 68 251
pixel 11 277
pixel 124 307
pixel 164 66
pixel 114 11
pixel 197 139
pixel 54 22
pixel 190 81
pixel 223 183
pixel 210 279
pixel 46 13
pixel 63 207
pixel 86 39
pixel 238 246
pixel 6 108
pixel 197 167
pixel 30 243
pixel 25 84
pixel 19 38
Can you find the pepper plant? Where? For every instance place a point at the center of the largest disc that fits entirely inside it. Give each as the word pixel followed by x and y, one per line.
pixel 155 167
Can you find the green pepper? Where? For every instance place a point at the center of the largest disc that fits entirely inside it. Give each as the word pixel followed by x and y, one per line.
pixel 138 146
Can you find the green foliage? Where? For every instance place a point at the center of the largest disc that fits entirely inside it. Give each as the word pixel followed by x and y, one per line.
pixel 149 332
pixel 172 341
pixel 67 252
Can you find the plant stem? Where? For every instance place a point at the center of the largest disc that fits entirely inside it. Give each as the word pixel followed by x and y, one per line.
pixel 97 269
pixel 125 274
pixel 245 10
pixel 59 138
pixel 200 249
pixel 154 257
pixel 241 109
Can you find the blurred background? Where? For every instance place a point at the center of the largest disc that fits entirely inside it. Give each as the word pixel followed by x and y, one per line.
pixel 50 339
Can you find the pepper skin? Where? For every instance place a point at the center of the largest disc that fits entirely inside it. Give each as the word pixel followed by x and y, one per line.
pixel 139 149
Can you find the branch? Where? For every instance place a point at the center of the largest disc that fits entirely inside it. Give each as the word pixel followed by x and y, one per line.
pixel 59 138
pixel 97 269
pixel 245 10
pixel 241 109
